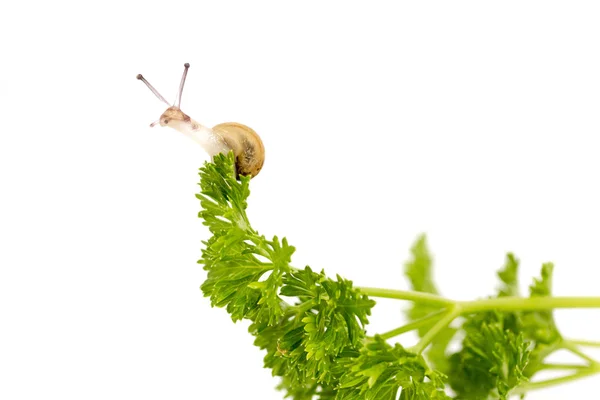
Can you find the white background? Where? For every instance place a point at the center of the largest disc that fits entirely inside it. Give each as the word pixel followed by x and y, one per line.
pixel 476 122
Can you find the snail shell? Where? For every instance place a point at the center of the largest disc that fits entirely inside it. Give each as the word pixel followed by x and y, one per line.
pixel 246 145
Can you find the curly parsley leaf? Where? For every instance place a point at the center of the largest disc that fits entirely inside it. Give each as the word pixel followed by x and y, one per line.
pixel 492 360
pixel 304 320
pixel 235 256
pixel 521 340
pixel 509 277
pixel 382 370
pixel 329 319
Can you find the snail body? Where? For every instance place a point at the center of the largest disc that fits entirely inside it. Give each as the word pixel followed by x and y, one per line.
pixel 245 143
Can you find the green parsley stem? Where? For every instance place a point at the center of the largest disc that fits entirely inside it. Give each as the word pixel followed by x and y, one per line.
pixel 528 303
pixel 583 373
pixel 416 324
pixel 573 348
pixel 457 308
pixel 417 297
pixel 553 366
pixel 512 303
pixel 584 343
pixel 442 323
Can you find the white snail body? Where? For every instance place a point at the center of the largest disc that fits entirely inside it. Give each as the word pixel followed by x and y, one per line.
pixel 200 134
pixel 246 145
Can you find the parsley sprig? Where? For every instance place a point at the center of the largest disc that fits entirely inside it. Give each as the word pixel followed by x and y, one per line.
pixel 312 327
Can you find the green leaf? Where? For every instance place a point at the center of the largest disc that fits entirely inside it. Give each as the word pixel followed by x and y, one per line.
pixel 231 256
pixel 521 341
pixel 222 197
pixel 509 276
pixel 304 320
pixel 492 360
pixel 419 268
pixel 324 325
pixel 382 370
pixel 308 391
pixel 494 346
pixel 332 315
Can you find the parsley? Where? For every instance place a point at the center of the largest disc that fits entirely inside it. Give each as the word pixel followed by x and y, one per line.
pixel 312 327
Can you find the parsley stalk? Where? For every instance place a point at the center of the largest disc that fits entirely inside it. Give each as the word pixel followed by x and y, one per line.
pixel 580 374
pixel 584 343
pixel 513 303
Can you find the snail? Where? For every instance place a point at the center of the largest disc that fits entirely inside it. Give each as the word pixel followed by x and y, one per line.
pixel 246 145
